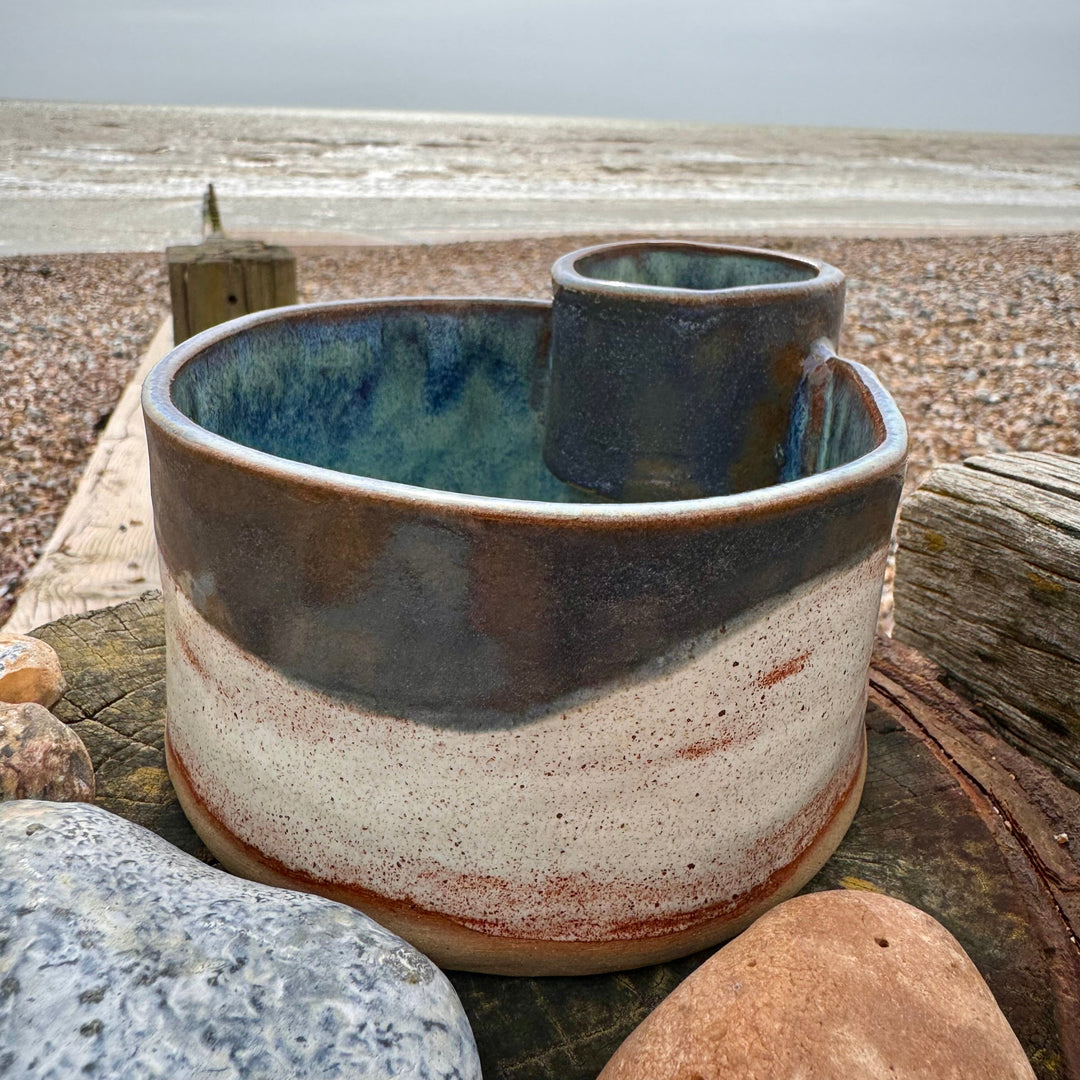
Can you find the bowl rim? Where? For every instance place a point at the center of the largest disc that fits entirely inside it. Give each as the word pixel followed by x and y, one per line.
pixel 159 411
pixel 566 275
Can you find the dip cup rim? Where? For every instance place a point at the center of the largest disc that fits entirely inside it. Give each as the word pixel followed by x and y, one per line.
pixel 565 274
pixel 159 411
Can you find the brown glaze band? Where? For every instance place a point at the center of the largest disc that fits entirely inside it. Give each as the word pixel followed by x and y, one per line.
pixel 539 609
pixel 453 946
pixel 305 567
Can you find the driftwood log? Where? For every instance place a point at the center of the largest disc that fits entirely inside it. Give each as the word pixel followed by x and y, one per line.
pixel 953 820
pixel 988 585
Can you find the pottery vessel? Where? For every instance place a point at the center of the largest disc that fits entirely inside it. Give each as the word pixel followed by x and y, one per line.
pixel 527 730
pixel 674 364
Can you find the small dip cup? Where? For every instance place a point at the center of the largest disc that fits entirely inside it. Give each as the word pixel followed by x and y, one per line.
pixel 674 364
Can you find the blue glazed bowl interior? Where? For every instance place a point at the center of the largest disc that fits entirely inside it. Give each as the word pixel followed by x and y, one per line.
pixel 451 400
pixel 447 396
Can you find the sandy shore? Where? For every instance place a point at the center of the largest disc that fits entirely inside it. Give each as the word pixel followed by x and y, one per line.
pixel 978 338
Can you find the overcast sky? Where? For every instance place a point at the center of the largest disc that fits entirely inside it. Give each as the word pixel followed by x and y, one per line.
pixel 978 65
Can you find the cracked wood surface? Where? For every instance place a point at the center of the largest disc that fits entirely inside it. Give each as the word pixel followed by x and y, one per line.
pixel 953 820
pixel 988 585
pixel 114 664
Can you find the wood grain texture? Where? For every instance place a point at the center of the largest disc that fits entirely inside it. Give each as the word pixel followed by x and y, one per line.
pixel 988 585
pixel 114 663
pixel 103 550
pixel 953 820
pixel 221 279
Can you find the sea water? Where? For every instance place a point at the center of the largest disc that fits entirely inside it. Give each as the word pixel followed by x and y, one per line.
pixel 86 177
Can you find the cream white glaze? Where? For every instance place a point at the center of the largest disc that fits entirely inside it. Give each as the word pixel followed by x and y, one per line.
pixel 650 801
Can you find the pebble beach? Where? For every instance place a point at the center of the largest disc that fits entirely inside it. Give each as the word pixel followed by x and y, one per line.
pixel 976 337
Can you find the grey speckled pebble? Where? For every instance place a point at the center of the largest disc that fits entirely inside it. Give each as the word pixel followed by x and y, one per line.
pixel 122 957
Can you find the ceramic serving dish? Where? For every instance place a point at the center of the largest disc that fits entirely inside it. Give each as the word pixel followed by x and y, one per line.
pixel 528 730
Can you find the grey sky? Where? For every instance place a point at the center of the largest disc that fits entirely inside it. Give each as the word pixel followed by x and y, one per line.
pixel 981 65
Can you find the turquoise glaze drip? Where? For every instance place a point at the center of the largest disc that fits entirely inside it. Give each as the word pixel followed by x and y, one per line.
pixel 829 424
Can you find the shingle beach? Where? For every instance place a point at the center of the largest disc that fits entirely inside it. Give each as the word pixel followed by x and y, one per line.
pixel 978 338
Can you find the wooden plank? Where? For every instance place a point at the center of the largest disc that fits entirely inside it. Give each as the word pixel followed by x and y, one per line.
pixel 103 549
pixel 214 289
pixel 1053 472
pixel 1022 797
pixel 261 283
pixel 988 586
pixel 952 820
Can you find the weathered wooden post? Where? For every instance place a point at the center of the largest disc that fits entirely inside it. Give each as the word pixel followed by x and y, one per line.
pixel 222 278
pixel 988 586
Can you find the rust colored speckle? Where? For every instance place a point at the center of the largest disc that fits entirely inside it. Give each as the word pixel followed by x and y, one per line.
pixel 702 748
pixel 189 654
pixel 504 895
pixel 725 741
pixel 778 674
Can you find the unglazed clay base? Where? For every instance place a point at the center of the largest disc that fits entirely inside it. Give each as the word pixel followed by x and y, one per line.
pixel 454 946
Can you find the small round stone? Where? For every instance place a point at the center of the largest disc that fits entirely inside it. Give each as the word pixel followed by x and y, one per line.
pixel 29 671
pixel 42 758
